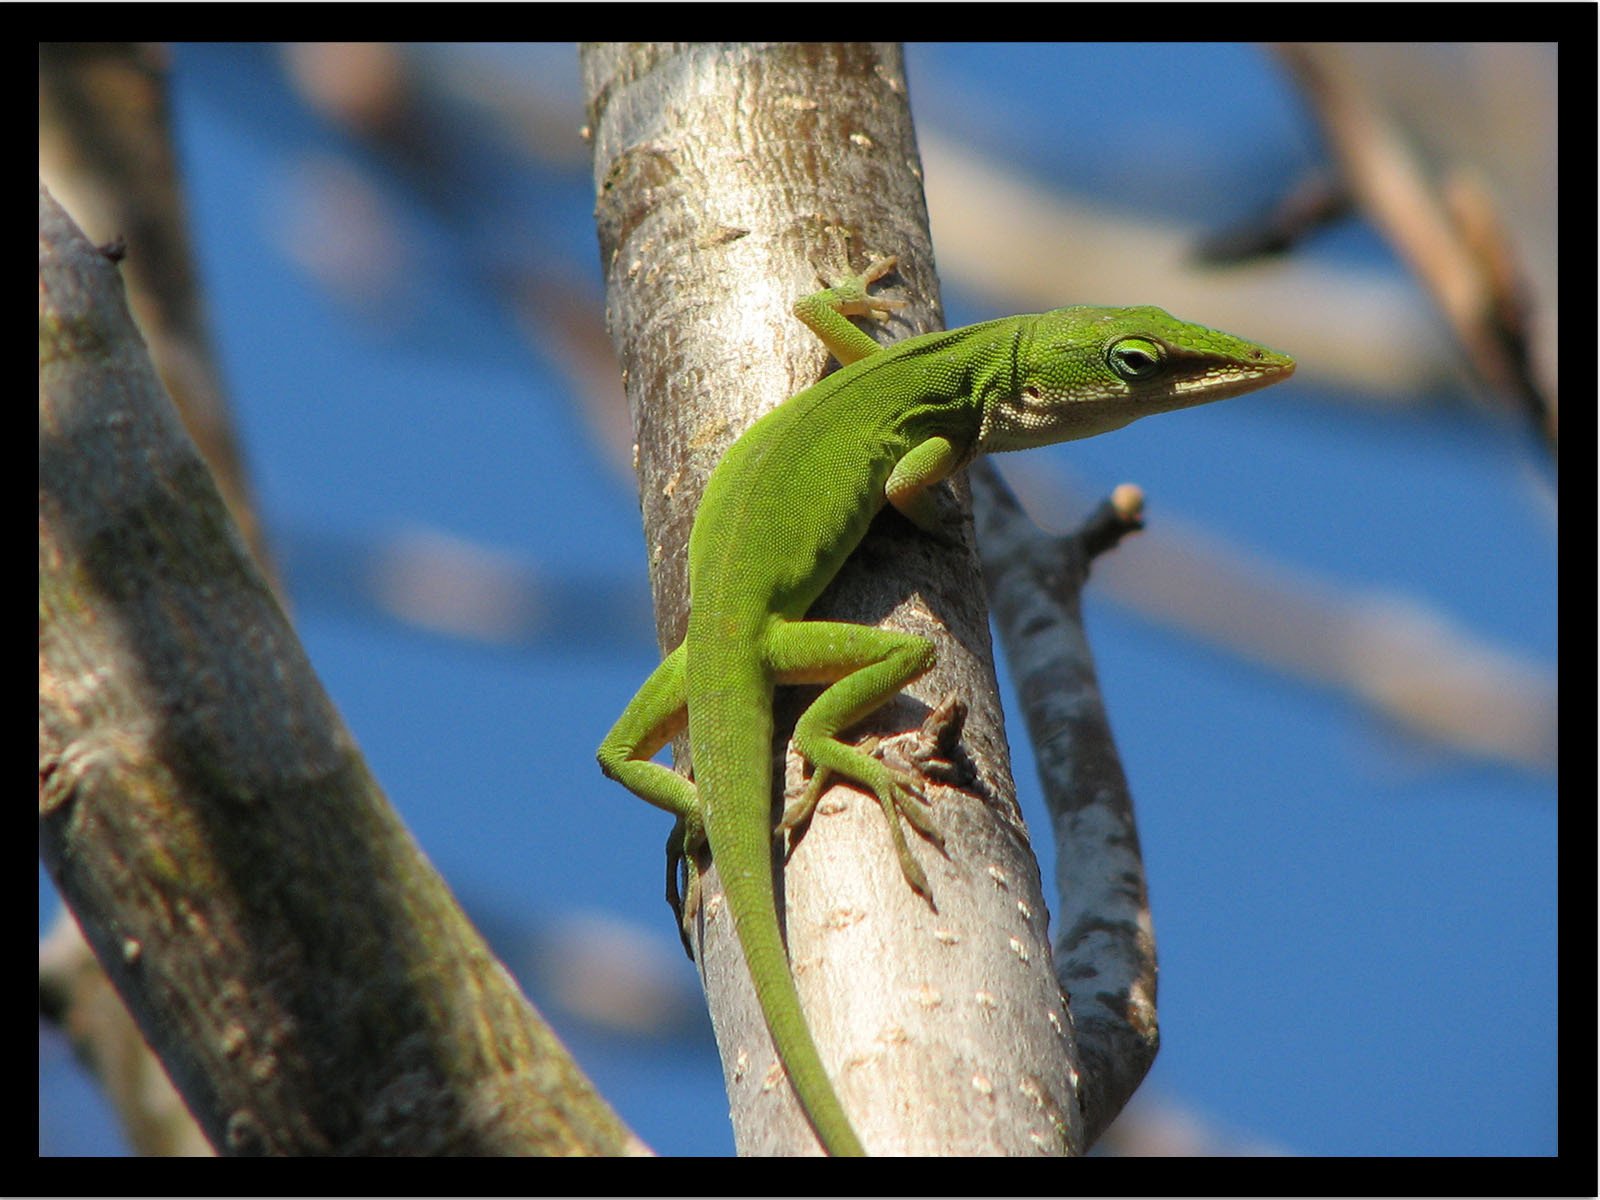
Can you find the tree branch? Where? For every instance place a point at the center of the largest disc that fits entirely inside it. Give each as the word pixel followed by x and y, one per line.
pixel 303 973
pixel 1104 942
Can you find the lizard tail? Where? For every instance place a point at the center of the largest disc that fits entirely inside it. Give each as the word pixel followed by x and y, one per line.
pixel 735 794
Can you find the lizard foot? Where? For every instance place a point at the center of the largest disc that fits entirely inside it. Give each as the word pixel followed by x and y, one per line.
pixel 850 296
pixel 684 846
pixel 899 790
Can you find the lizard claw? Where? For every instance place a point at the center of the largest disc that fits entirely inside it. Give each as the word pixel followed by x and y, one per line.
pixel 684 844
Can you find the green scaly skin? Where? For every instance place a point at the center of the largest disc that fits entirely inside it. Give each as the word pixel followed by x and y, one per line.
pixel 782 511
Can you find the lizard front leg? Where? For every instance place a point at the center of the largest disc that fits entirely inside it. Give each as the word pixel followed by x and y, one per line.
pixel 824 312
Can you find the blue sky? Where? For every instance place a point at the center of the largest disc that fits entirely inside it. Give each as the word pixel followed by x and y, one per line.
pixel 1357 927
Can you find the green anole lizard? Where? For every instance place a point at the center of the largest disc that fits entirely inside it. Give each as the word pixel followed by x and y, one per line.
pixel 782 511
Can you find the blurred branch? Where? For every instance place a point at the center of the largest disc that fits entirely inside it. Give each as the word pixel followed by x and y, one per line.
pixel 106 153
pixel 76 997
pixel 1158 1126
pixel 1438 210
pixel 1396 656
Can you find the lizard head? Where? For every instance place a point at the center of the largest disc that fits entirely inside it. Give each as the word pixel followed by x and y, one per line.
pixel 1083 371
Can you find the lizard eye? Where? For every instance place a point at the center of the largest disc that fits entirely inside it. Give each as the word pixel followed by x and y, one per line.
pixel 1135 359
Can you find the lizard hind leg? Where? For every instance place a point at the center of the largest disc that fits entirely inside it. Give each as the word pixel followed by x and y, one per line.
pixel 655 715
pixel 865 667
